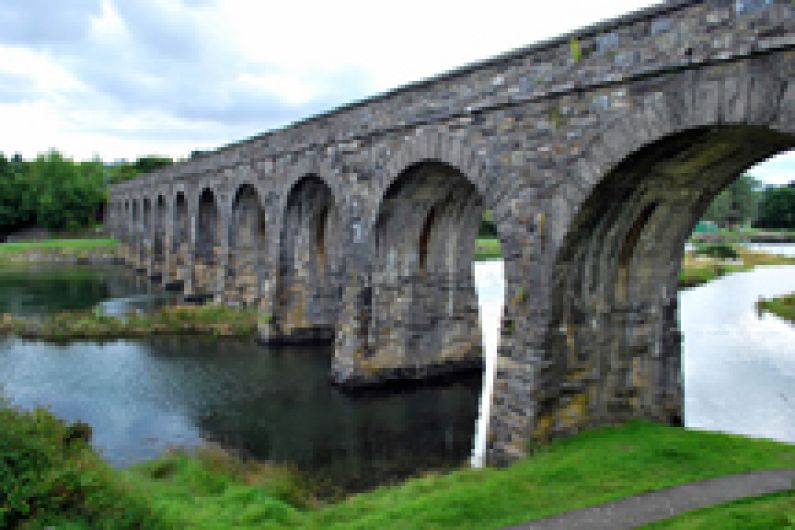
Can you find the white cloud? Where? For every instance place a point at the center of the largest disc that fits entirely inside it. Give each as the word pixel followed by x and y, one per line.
pixel 776 170
pixel 119 78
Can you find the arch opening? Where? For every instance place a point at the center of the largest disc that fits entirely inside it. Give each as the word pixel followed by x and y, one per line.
pixel 247 240
pixel 613 341
pixel 310 266
pixel 180 241
pixel 146 227
pixel 159 246
pixel 208 240
pixel 424 315
pixel 125 227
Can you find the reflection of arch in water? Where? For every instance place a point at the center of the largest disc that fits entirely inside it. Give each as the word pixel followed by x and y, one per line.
pixel 614 300
pixel 208 240
pixel 307 293
pixel 247 243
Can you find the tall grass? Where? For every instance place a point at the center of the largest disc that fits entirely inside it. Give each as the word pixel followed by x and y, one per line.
pixel 215 319
pixel 57 244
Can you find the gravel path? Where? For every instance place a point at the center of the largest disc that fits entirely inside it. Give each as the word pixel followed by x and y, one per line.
pixel 663 504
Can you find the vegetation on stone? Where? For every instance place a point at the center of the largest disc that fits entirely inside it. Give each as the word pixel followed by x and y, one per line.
pixel 212 319
pixel 782 306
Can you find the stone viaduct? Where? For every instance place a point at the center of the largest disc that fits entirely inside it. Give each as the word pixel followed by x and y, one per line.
pixel 596 153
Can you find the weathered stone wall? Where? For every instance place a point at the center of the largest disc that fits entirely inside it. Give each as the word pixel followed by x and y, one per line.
pixel 596 152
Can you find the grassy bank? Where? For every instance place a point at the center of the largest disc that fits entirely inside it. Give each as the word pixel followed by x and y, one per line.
pixel 58 250
pixel 210 489
pixel 783 306
pixel 207 319
pixel 56 244
pixel 760 513
pixel 488 248
pixel 698 269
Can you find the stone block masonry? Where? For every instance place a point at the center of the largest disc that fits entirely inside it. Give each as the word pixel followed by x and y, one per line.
pixel 596 152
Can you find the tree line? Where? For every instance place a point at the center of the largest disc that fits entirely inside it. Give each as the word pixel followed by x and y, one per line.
pixel 746 202
pixel 57 193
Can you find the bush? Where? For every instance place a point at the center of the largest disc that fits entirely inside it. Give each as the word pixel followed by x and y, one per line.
pixel 717 250
pixel 49 474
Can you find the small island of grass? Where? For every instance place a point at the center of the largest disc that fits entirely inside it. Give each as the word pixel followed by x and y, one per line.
pixel 782 306
pixel 709 262
pixel 214 319
pixel 59 251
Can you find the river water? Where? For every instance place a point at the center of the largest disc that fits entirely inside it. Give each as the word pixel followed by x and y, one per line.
pixel 143 396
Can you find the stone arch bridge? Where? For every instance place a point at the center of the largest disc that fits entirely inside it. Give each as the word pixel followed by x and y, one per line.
pixel 596 152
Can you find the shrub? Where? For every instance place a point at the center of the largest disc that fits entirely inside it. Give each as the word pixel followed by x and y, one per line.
pixel 49 474
pixel 717 250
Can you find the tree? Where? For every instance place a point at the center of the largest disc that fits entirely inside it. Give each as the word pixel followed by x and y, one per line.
pixel 146 164
pixel 777 207
pixel 69 195
pixel 15 194
pixel 736 205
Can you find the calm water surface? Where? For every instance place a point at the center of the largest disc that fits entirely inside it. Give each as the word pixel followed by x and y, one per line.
pixel 143 396
pixel 36 289
pixel 739 366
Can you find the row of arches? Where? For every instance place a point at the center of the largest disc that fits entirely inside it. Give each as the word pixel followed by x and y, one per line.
pixel 593 232
pixel 290 258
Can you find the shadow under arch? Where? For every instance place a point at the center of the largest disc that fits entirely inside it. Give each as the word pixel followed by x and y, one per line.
pixel 424 309
pixel 207 248
pixel 307 297
pixel 247 242
pixel 180 242
pixel 159 242
pixel 146 241
pixel 612 341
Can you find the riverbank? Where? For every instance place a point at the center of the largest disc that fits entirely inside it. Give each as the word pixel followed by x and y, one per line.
pixel 751 235
pixel 51 476
pixel 214 319
pixel 103 250
pixel 783 306
pixel 698 269
pixel 487 249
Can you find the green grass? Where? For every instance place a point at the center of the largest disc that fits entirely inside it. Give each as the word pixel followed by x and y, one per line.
pixel 759 513
pixel 213 319
pixel 595 467
pixel 488 248
pixel 702 269
pixel 57 244
pixel 208 488
pixel 783 306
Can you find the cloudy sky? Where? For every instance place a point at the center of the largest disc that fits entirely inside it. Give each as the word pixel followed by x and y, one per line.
pixel 123 78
